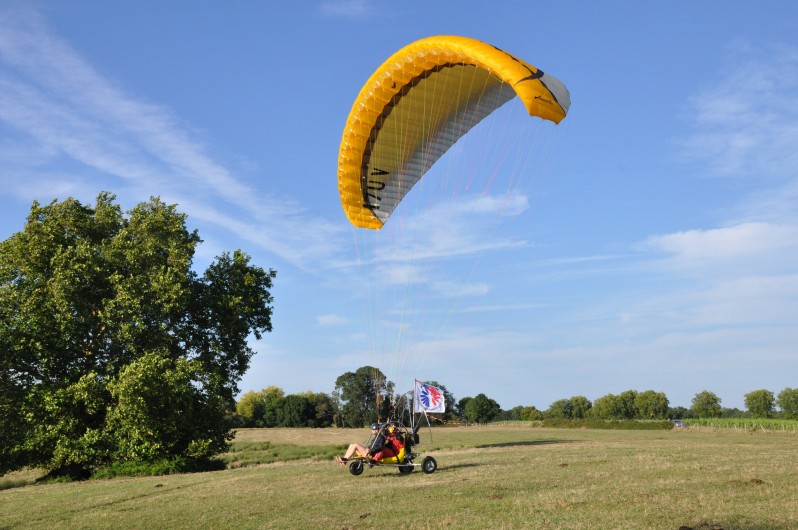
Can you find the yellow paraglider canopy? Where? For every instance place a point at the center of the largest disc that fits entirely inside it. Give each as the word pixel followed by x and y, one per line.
pixel 417 105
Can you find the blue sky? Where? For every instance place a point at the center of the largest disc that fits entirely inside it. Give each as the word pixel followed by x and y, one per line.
pixel 660 248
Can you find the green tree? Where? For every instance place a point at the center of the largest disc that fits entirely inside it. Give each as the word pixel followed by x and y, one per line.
pixel 531 414
pixel 298 411
pixel 91 300
pixel 12 419
pixel 760 403
pixel 559 409
pixel 273 400
pixel 651 405
pixel 788 403
pixel 364 396
pixel 733 412
pixel 577 407
pixel 481 409
pixel 514 414
pixel 160 411
pixel 252 407
pixel 460 407
pixel 706 404
pixel 679 413
pixel 580 407
pixel 323 408
pixel 607 407
pixel 627 404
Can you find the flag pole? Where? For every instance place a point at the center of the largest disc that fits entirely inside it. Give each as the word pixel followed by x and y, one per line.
pixel 413 407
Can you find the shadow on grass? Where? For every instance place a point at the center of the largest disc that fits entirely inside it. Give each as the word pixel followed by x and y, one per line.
pixel 383 473
pixel 453 467
pixel 523 443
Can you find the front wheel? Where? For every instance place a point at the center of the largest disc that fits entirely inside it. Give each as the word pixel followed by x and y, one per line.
pixel 356 467
pixel 429 465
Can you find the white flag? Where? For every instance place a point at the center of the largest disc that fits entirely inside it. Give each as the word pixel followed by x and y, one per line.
pixel 428 398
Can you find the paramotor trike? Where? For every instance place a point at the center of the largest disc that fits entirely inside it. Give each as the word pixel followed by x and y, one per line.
pixel 404 461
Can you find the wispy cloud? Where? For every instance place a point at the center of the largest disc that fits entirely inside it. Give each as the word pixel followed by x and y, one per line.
pixel 744 126
pixel 460 227
pixel 460 289
pixel 758 246
pixel 53 102
pixel 747 124
pixel 331 319
pixel 359 9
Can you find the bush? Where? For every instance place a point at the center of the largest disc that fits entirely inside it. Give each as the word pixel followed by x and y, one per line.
pixel 595 423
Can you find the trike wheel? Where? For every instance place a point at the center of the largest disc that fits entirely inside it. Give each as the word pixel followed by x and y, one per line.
pixel 356 467
pixel 406 469
pixel 429 465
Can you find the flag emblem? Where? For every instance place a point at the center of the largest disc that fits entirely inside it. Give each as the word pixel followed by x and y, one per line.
pixel 429 398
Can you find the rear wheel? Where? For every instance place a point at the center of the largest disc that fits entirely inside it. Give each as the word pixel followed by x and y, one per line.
pixel 356 467
pixel 429 465
pixel 406 469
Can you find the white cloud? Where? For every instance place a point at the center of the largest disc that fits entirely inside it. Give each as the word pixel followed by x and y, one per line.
pixel 400 274
pixel 331 319
pixel 459 289
pixel 447 230
pixel 56 104
pixel 732 242
pixel 766 302
pixel 496 308
pixel 349 9
pixel 747 124
pixel 508 204
pixel 735 251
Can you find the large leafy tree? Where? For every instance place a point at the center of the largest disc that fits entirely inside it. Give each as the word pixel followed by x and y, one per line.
pixel 580 407
pixel 607 407
pixel 251 408
pixel 531 413
pixel 626 402
pixel 323 408
pixel 364 396
pixel 273 401
pixel 706 404
pixel 760 403
pixel 559 409
pixel 460 406
pixel 620 407
pixel 651 405
pixel 788 402
pixel 298 411
pixel 481 409
pixel 111 346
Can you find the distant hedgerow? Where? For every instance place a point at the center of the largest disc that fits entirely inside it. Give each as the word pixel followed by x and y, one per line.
pixel 594 423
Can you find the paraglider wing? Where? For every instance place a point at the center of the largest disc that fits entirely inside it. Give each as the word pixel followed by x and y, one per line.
pixel 417 105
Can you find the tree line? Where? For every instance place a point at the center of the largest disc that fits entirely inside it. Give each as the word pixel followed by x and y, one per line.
pixel 362 396
pixel 652 405
pixel 358 399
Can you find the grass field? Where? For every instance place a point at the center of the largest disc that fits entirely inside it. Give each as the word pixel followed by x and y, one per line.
pixel 487 477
